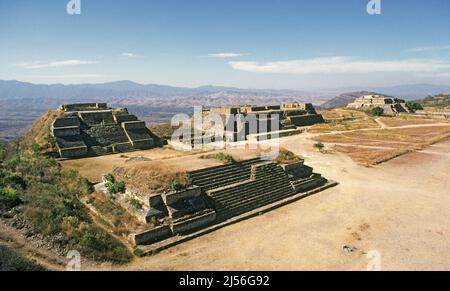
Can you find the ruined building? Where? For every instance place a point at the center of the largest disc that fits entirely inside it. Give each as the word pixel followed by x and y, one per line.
pixel 281 119
pixel 95 129
pixel 390 105
pixel 224 193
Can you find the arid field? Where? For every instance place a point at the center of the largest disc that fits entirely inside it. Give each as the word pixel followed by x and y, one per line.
pixel 397 208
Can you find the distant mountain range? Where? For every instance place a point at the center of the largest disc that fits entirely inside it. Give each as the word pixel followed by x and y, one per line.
pixel 128 92
pixel 135 93
pixel 21 103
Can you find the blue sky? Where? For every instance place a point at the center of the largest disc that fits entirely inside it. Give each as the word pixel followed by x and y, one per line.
pixel 244 43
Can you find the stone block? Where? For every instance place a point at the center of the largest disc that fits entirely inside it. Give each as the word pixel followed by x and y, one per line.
pixel 152 236
pixel 174 197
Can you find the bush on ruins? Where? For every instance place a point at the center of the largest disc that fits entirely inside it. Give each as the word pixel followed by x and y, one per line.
pixel 376 111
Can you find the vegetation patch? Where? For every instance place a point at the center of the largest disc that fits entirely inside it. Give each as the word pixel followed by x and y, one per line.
pixel 287 157
pixel 344 120
pixel 13 261
pixel 180 182
pixel 113 186
pixel 50 199
pixel 376 111
pixel 227 159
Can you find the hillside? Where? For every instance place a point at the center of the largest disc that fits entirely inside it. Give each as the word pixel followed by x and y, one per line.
pixel 439 101
pixel 344 99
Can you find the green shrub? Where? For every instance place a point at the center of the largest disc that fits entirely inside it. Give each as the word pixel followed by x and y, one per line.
pixel 110 178
pixel 180 182
pixel 376 111
pixel 413 106
pixel 36 149
pixel 138 253
pixel 320 146
pixel 12 261
pixel 116 187
pixel 227 159
pixel 100 246
pixel 51 205
pixel 9 198
pixel 135 203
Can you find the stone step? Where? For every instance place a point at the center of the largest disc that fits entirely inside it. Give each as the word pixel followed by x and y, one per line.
pixel 244 191
pixel 221 175
pixel 255 199
pixel 221 182
pixel 226 213
pixel 220 168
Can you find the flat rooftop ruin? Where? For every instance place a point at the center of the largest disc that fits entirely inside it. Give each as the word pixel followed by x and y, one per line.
pixel 390 105
pixel 91 129
pixel 261 122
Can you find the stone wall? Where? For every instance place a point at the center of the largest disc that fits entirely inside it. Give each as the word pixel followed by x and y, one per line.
pixel 94 129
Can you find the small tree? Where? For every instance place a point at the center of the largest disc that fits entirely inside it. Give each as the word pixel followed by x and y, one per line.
pixel 413 106
pixel 376 111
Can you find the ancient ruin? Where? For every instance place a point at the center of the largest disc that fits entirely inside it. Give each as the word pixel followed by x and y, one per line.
pixel 282 119
pixel 251 123
pixel 223 193
pixel 95 129
pixel 390 105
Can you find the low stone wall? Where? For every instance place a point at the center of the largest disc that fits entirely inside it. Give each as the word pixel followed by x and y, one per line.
pixel 193 223
pixel 66 121
pixel 119 118
pixel 100 117
pixel 143 144
pixel 71 153
pixel 122 147
pixel 66 131
pixel 152 236
pixel 308 184
pixel 306 120
pixel 174 197
pixel 133 125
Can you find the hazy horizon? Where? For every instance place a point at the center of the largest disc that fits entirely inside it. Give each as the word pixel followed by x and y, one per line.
pixel 297 45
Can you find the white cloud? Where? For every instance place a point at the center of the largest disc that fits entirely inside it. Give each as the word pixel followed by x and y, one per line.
pixel 435 75
pixel 43 65
pixel 225 55
pixel 339 65
pixel 132 55
pixel 428 48
pixel 129 55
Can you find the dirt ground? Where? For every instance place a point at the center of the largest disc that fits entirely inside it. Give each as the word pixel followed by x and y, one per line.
pixel 398 209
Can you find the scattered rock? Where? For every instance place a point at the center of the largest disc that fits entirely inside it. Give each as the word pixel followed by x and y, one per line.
pixel 349 249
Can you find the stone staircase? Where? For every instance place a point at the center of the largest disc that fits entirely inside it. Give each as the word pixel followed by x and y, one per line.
pixel 216 177
pixel 268 183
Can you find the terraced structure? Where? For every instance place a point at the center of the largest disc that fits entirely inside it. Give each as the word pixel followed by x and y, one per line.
pixel 95 129
pixel 222 194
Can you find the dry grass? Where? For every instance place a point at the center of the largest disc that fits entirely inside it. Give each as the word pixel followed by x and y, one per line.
pixel 344 120
pixel 377 146
pixel 149 179
pixel 117 218
pixel 409 120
